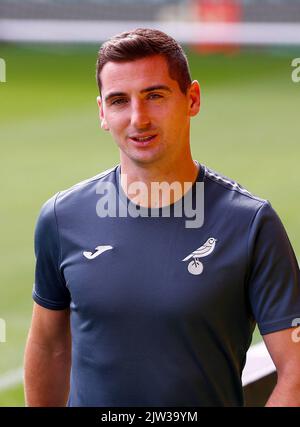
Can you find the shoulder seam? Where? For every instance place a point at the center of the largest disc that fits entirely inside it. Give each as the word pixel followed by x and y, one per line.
pixel 236 188
pixel 89 180
pixel 59 240
pixel 248 237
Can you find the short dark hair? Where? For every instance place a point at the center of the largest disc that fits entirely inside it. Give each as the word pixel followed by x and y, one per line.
pixel 141 43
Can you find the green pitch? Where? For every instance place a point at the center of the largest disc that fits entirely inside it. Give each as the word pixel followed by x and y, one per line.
pixel 13 396
pixel 248 129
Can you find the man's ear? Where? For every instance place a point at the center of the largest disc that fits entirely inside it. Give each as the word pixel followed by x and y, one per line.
pixel 194 98
pixel 103 122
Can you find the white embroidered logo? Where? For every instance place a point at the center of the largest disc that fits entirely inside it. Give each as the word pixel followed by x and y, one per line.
pixel 99 251
pixel 195 266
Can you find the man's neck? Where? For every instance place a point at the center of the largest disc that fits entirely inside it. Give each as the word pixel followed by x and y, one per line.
pixel 157 185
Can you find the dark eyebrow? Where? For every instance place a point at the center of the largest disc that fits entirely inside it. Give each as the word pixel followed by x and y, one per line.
pixel 146 90
pixel 113 95
pixel 156 87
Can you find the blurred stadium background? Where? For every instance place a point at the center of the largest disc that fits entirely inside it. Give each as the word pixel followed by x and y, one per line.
pixel 241 52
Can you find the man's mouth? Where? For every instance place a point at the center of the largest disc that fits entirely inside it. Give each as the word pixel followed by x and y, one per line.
pixel 142 140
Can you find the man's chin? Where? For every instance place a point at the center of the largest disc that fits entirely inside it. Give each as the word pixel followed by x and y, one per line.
pixel 144 158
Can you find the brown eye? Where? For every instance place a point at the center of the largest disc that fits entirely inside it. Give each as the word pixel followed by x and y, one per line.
pixel 119 101
pixel 155 96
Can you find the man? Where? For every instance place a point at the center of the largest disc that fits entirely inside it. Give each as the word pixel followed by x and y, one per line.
pixel 155 312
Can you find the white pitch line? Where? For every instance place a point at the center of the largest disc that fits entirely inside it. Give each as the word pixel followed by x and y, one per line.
pixel 258 364
pixel 11 378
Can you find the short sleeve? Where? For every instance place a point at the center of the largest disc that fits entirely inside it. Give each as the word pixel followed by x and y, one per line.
pixel 274 278
pixel 49 289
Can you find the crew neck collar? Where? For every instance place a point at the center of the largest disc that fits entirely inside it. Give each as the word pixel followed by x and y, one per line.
pixel 151 211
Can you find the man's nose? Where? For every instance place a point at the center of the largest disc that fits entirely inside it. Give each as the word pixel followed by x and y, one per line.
pixel 140 118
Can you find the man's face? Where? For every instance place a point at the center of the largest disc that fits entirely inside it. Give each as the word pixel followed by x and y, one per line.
pixel 145 110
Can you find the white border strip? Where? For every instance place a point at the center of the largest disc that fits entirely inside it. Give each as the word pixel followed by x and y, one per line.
pixel 11 379
pixel 26 30
pixel 258 364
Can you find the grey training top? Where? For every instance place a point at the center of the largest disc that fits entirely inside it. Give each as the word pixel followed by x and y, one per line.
pixel 162 314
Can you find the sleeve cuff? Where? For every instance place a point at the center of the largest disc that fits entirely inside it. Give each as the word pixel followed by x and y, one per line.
pixel 51 305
